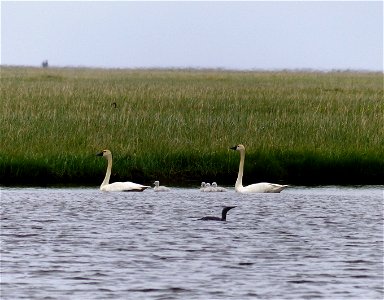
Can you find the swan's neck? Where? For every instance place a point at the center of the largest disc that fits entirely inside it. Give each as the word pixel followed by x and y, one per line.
pixel 109 169
pixel 239 181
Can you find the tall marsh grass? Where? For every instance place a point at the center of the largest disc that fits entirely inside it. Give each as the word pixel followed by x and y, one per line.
pixel 177 126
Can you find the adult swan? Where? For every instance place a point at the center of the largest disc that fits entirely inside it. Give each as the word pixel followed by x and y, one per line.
pixel 262 187
pixel 117 186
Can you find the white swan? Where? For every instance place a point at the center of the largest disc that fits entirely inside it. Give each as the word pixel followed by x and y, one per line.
pixel 202 187
pixel 218 188
pixel 160 188
pixel 117 186
pixel 262 187
pixel 207 188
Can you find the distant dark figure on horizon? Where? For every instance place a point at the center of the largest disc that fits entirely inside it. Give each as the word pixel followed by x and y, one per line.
pixel 44 64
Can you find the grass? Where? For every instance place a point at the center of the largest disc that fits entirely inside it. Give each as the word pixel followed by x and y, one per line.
pixel 176 126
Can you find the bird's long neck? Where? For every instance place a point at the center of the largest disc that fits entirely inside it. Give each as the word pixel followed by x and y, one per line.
pixel 109 170
pixel 224 215
pixel 239 181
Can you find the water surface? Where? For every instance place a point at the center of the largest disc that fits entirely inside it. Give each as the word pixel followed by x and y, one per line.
pixel 303 243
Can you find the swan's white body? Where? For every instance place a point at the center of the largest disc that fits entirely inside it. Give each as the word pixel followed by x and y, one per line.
pixel 160 188
pixel 208 188
pixel 262 187
pixel 126 186
pixel 218 188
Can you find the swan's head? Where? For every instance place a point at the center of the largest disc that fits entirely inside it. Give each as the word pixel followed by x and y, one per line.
pixel 156 183
pixel 238 147
pixel 105 153
pixel 214 184
pixel 203 184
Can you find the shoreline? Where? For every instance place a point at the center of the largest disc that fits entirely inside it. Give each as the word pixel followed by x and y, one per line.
pixel 177 125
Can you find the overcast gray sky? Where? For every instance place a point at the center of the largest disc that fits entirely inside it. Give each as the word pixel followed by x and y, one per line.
pixel 233 35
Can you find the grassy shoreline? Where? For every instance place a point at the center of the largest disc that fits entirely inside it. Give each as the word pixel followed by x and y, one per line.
pixel 176 126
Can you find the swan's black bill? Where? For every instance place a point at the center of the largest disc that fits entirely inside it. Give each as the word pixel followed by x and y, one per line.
pixel 99 154
pixel 233 148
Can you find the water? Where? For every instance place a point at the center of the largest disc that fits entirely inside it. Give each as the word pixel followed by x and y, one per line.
pixel 85 244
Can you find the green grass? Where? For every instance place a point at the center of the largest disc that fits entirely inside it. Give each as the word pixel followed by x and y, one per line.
pixel 177 125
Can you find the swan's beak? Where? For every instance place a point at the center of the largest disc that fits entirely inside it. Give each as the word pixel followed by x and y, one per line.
pixel 233 148
pixel 99 154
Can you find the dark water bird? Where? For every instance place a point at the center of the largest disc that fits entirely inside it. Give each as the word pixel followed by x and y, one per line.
pixel 223 215
pixel 114 104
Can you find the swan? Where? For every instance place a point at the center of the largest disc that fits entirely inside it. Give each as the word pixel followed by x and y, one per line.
pixel 262 187
pixel 208 188
pixel 117 186
pixel 160 188
pixel 218 188
pixel 202 187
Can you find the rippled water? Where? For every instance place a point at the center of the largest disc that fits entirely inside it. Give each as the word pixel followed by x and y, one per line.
pixel 86 244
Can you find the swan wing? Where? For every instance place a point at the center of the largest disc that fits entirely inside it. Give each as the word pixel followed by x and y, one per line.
pixel 123 187
pixel 262 187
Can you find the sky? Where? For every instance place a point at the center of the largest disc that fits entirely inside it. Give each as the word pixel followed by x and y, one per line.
pixel 250 35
